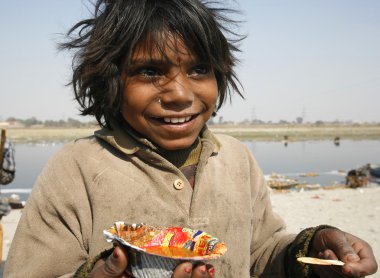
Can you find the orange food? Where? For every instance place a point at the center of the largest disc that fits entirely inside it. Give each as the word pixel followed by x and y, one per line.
pixel 173 242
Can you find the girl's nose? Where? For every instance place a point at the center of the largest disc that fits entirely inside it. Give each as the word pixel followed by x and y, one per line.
pixel 177 92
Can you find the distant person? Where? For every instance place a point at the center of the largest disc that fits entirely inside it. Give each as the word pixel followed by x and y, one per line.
pixel 337 141
pixel 7 174
pixel 153 73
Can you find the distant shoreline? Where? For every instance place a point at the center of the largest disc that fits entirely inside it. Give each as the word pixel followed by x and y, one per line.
pixel 289 133
pixel 294 133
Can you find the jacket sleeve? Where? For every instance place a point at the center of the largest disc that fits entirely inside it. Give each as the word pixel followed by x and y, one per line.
pixel 270 241
pixel 85 269
pixel 274 251
pixel 52 237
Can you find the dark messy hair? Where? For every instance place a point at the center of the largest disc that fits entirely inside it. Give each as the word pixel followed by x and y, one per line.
pixel 118 26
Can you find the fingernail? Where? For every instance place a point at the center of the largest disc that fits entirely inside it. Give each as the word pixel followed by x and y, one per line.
pixel 211 272
pixel 346 271
pixel 115 254
pixel 188 269
pixel 203 269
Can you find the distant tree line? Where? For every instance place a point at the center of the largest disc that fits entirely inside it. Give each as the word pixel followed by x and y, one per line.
pixel 70 122
pixel 33 121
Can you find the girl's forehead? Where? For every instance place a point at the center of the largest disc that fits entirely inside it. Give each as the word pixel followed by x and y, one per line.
pixel 169 48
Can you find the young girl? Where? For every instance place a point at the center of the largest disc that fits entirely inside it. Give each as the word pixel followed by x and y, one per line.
pixel 153 73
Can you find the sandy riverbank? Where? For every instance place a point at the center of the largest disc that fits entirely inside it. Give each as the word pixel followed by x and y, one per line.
pixel 354 210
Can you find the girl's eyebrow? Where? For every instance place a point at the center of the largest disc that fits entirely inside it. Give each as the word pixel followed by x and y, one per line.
pixel 161 61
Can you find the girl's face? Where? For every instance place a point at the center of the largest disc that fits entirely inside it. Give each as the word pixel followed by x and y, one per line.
pixel 168 98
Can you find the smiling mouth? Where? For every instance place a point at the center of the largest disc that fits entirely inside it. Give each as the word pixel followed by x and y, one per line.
pixel 175 120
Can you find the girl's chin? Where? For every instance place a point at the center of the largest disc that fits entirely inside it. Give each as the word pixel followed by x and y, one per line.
pixel 172 145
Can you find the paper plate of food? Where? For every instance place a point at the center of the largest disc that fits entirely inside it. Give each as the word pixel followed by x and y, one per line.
pixel 155 250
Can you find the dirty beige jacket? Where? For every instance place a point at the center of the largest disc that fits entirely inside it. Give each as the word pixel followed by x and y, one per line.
pixel 95 181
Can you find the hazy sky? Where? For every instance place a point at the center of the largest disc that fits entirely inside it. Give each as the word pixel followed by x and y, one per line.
pixel 314 58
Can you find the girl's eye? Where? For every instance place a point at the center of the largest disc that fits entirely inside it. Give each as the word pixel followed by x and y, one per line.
pixel 149 72
pixel 199 70
pixel 146 73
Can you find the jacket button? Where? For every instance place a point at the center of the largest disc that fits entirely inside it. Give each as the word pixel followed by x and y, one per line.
pixel 178 184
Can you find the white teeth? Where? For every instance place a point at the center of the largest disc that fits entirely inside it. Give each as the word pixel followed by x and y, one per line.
pixel 177 120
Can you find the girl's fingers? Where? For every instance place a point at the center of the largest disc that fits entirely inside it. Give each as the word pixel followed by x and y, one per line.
pixel 199 270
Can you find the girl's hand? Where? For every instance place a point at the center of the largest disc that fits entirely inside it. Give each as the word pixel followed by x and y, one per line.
pixel 114 266
pixel 338 245
pixel 188 270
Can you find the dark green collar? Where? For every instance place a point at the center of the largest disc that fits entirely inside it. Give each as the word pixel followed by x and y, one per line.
pixel 184 157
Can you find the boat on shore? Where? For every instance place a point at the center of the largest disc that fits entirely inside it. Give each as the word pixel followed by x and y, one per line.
pixel 13 201
pixel 374 173
pixel 281 182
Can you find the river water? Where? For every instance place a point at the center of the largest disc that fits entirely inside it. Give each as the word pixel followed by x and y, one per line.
pixel 330 161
